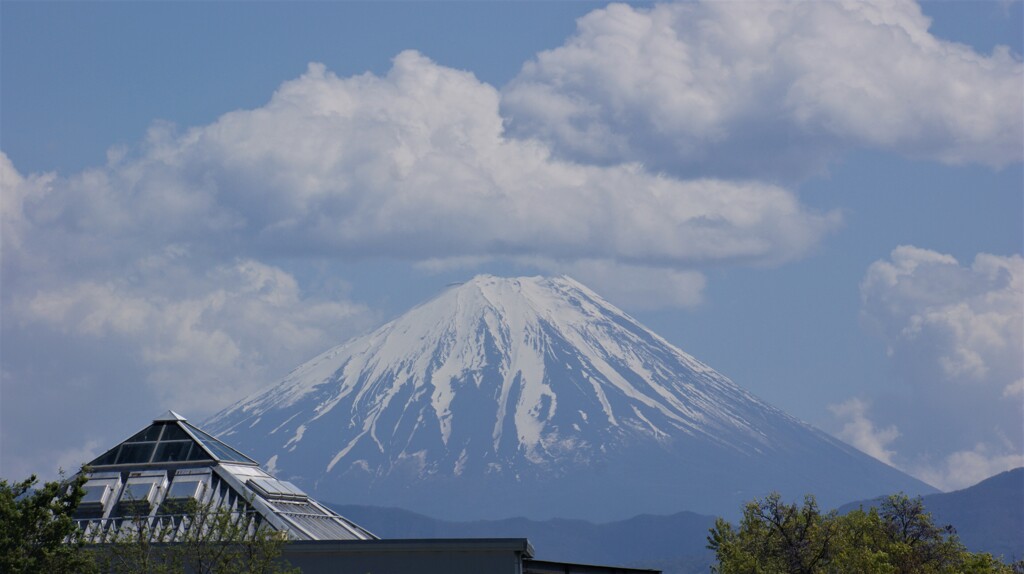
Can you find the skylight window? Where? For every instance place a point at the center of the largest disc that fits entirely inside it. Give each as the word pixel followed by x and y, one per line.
pixel 188 485
pixel 95 501
pixel 96 494
pixel 100 490
pixel 140 492
pixel 137 492
pixel 183 490
pixel 273 489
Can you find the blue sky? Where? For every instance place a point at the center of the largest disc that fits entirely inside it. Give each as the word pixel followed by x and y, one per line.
pixel 822 202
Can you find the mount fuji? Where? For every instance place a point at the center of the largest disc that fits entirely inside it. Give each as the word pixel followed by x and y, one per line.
pixel 535 396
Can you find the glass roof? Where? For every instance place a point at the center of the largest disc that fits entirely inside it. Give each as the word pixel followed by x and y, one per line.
pixel 144 476
pixel 220 450
pixel 170 440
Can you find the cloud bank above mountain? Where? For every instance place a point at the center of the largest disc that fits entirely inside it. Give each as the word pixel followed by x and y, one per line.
pixel 180 251
pixel 773 89
pixel 415 165
pixel 658 145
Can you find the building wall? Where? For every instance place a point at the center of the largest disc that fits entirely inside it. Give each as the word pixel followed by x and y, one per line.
pixel 440 556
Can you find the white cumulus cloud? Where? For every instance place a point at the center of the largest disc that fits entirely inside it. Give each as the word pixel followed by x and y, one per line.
pixel 954 335
pixel 768 89
pixel 963 324
pixel 415 164
pixel 186 260
pixel 205 340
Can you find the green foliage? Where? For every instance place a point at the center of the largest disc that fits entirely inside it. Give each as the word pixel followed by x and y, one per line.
pixel 897 538
pixel 139 546
pixel 204 539
pixel 37 533
pixel 774 537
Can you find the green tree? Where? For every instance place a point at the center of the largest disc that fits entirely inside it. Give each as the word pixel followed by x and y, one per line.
pixel 899 537
pixel 37 533
pixel 774 537
pixel 203 538
pixel 139 545
pixel 914 542
pixel 861 544
pixel 223 540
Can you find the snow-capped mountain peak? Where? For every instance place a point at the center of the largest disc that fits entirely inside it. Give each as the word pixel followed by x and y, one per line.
pixel 504 381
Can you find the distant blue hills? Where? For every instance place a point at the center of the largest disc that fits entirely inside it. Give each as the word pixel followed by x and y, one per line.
pixel 989 517
pixel 675 540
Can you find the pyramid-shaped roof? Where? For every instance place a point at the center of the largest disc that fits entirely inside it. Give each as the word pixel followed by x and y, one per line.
pixel 169 439
pixel 166 464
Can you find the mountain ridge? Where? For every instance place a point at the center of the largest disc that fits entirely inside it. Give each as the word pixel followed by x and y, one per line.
pixel 676 543
pixel 534 391
pixel 638 541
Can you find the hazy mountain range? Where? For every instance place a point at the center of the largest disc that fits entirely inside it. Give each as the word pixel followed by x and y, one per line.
pixel 989 517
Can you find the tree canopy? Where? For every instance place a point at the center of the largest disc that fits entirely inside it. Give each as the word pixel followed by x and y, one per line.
pixel 898 537
pixel 37 533
pixel 203 538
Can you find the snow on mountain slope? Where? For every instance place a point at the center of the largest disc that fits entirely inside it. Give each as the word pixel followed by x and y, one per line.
pixel 506 395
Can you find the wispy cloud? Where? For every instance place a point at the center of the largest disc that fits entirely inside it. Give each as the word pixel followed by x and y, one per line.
pixel 639 287
pixel 947 472
pixel 968 467
pixel 859 431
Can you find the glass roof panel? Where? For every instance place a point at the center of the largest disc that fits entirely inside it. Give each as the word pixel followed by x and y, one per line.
pixel 219 449
pixel 273 489
pixel 197 453
pixel 174 432
pixel 138 453
pixel 221 452
pixel 292 488
pixel 174 451
pixel 164 442
pixel 150 433
pixel 321 527
pixel 106 458
pixel 170 441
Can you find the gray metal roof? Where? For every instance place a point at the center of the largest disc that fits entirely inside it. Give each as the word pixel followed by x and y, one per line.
pixel 155 472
